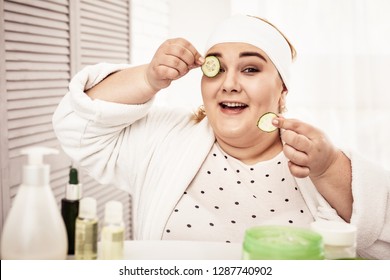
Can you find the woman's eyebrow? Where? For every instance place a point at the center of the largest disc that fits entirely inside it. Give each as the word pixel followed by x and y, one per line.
pixel 216 54
pixel 244 54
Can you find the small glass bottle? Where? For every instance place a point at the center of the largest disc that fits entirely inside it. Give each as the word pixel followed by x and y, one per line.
pixel 70 207
pixel 282 243
pixel 113 232
pixel 86 230
pixel 339 239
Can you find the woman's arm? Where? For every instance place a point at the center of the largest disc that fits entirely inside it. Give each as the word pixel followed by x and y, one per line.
pixel 137 85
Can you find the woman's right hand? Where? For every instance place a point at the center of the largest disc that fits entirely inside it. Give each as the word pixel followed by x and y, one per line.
pixel 172 60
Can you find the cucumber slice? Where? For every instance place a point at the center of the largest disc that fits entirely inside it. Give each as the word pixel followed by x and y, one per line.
pixel 211 66
pixel 265 122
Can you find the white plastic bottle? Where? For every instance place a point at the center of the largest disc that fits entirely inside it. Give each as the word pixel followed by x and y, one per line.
pixel 339 239
pixel 86 238
pixel 34 228
pixel 113 232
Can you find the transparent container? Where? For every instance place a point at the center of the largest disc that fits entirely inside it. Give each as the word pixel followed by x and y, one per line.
pixel 282 243
pixel 113 232
pixel 339 239
pixel 86 238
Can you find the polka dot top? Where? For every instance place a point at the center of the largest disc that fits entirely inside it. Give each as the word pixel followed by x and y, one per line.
pixel 227 196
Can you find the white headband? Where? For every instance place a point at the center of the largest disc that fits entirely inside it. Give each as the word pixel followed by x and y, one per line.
pixel 251 30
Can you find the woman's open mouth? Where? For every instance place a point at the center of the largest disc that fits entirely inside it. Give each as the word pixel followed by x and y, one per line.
pixel 233 107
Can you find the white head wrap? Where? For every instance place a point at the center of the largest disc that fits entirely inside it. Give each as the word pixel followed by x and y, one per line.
pixel 251 30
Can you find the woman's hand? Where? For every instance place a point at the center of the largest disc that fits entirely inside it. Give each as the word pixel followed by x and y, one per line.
pixel 312 154
pixel 308 149
pixel 173 59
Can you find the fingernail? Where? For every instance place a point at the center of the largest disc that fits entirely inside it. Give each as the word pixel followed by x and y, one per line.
pixel 201 60
pixel 275 121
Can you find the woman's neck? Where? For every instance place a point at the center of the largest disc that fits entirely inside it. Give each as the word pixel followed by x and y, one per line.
pixel 263 150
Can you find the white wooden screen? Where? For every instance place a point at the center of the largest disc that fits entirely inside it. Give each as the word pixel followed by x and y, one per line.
pixel 43 44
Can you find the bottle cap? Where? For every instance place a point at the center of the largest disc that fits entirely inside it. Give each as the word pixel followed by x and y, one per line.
pixel 73 189
pixel 37 173
pixel 113 212
pixel 87 208
pixel 335 233
pixel 73 176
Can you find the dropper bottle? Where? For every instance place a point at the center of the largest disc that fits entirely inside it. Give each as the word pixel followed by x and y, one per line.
pixel 86 238
pixel 34 228
pixel 113 231
pixel 70 207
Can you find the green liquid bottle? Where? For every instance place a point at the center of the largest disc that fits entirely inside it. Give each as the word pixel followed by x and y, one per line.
pixel 86 230
pixel 113 232
pixel 282 243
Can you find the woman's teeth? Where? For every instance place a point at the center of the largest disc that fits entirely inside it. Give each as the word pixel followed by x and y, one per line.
pixel 233 105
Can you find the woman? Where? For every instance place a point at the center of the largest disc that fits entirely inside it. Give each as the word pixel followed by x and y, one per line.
pixel 212 178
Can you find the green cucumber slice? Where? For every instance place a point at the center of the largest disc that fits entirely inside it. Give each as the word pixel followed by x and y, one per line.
pixel 211 66
pixel 265 122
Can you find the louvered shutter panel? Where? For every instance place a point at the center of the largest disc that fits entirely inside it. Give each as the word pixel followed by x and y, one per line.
pixel 104 31
pixel 38 57
pixel 36 63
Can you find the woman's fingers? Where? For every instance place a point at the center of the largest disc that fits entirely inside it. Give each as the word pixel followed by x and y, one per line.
pixel 307 148
pixel 298 171
pixel 173 59
pixel 297 157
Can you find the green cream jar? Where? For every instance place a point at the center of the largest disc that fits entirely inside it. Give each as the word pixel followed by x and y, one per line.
pixel 282 243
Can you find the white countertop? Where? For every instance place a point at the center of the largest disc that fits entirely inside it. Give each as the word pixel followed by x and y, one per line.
pixel 181 250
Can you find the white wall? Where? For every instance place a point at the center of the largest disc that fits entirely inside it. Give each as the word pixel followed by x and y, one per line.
pixel 149 27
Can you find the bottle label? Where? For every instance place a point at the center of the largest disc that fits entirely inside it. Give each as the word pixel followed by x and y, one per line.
pixel 86 240
pixel 112 243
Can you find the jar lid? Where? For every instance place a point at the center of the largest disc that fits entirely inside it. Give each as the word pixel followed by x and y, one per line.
pixel 282 243
pixel 335 233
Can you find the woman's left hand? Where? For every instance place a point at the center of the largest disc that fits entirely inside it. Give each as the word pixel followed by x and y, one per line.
pixel 310 153
pixel 308 149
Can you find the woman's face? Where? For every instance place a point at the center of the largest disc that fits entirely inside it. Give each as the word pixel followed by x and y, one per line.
pixel 247 86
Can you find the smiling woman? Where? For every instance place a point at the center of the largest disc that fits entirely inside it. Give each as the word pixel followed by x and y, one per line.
pixel 211 180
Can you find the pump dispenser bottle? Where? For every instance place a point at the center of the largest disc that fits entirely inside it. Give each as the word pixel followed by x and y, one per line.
pixel 113 231
pixel 34 228
pixel 86 230
pixel 70 207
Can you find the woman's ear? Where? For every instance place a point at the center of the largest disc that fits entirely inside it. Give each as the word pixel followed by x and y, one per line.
pixel 282 101
pixel 285 90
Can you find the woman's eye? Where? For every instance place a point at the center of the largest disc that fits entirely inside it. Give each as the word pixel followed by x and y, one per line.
pixel 250 70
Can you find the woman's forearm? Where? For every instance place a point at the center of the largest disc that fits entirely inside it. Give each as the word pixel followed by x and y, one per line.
pixel 335 185
pixel 128 86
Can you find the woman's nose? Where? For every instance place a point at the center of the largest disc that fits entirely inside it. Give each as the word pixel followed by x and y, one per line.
pixel 231 83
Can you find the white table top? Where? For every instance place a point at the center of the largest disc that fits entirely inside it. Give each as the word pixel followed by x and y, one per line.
pixel 181 250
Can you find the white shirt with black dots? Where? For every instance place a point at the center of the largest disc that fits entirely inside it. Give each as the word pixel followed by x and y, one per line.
pixel 227 196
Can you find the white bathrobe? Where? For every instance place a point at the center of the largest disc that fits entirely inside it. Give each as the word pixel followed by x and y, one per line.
pixel 154 153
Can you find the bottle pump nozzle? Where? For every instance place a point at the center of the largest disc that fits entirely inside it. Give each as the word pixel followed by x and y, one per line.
pixel 36 172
